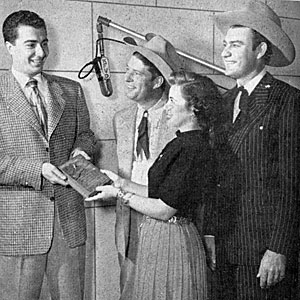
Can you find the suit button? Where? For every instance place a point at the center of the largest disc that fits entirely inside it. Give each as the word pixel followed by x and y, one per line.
pixel 52 198
pixel 47 149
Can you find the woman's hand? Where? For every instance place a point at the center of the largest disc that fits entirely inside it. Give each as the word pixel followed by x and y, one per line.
pixel 117 180
pixel 105 192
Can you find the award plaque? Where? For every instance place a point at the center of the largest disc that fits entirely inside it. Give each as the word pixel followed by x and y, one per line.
pixel 83 176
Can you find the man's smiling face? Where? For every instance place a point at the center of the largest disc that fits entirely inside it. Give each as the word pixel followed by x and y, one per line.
pixel 30 50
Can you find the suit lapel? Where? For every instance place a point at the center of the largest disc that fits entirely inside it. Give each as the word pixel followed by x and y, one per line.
pixel 19 104
pixel 125 139
pixel 126 130
pixel 259 102
pixel 56 103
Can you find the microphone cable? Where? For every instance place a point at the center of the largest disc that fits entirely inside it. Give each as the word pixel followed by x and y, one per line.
pixel 96 64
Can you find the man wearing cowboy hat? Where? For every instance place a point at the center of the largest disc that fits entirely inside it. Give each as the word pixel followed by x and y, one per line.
pixel 257 242
pixel 146 85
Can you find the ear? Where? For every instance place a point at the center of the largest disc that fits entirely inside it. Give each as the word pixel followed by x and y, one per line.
pixel 261 50
pixel 158 81
pixel 9 46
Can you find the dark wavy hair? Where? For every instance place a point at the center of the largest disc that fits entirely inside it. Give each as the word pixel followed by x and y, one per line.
pixel 200 93
pixel 21 17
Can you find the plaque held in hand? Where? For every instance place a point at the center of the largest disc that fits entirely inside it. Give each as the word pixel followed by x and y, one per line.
pixel 83 176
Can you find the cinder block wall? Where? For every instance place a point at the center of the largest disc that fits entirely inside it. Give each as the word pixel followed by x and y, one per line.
pixel 72 34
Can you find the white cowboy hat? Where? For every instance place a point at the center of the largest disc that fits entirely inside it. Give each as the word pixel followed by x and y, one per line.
pixel 260 17
pixel 158 51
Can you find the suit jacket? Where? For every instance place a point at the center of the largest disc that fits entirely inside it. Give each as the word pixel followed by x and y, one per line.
pixel 27 200
pixel 124 128
pixel 258 203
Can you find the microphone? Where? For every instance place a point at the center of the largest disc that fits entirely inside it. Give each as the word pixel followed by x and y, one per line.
pixel 101 65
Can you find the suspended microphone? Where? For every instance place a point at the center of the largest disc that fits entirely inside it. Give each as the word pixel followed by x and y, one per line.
pixel 103 75
pixel 101 66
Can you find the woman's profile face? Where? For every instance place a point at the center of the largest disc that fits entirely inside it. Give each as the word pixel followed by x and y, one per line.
pixel 179 114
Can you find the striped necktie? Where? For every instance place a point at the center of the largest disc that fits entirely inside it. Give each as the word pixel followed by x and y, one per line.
pixel 38 104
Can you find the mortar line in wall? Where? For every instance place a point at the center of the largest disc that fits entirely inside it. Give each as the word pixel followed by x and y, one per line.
pixel 94 212
pixel 92 26
pixel 153 6
pixel 95 256
pixel 213 42
pixel 168 7
pixel 121 72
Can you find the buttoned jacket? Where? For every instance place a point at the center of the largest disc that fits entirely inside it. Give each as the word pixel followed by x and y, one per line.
pixel 258 203
pixel 27 199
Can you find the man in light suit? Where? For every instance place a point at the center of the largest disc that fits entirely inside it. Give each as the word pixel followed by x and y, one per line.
pixel 146 85
pixel 43 226
pixel 258 207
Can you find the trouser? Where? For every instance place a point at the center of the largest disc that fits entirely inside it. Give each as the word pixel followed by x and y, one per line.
pixel 21 277
pixel 240 283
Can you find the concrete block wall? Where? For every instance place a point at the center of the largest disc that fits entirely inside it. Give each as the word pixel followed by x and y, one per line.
pixel 72 35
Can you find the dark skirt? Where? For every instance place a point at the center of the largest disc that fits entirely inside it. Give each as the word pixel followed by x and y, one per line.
pixel 171 262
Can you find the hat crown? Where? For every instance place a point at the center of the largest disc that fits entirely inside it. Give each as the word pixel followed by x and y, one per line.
pixel 259 8
pixel 160 52
pixel 164 49
pixel 261 18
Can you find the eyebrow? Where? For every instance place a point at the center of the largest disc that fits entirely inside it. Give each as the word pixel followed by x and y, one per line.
pixel 232 42
pixel 35 41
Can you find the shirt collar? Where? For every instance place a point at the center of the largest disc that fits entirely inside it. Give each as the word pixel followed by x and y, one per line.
pixel 23 78
pixel 251 85
pixel 159 104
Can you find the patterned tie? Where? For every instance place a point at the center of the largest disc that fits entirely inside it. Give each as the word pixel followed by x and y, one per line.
pixel 38 105
pixel 143 138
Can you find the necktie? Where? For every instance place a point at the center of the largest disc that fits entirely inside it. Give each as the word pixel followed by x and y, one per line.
pixel 38 105
pixel 143 138
pixel 243 104
pixel 242 109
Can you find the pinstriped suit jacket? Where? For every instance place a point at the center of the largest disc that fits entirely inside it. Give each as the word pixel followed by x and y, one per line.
pixel 124 128
pixel 258 207
pixel 26 211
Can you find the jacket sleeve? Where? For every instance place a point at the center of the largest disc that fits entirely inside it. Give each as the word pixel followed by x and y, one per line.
pixel 85 139
pixel 286 218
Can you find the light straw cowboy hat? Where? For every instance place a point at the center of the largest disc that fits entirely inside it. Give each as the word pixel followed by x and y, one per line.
pixel 263 19
pixel 158 51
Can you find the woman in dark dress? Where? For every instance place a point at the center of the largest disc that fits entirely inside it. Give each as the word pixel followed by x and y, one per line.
pixel 171 262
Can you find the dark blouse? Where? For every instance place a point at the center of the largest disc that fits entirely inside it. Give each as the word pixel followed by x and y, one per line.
pixel 183 174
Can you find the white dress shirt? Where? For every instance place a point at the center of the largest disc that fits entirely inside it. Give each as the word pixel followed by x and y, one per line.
pixel 141 164
pixel 249 86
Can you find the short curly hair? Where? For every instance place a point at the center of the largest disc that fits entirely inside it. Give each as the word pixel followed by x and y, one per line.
pixel 201 93
pixel 21 17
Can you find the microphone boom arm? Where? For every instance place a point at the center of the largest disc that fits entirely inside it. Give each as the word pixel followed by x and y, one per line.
pixel 108 22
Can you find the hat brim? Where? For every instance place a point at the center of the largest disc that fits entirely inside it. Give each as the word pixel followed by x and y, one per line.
pixel 283 48
pixel 154 58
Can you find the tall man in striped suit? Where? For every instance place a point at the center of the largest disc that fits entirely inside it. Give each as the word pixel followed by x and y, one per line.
pixel 258 207
pixel 43 121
